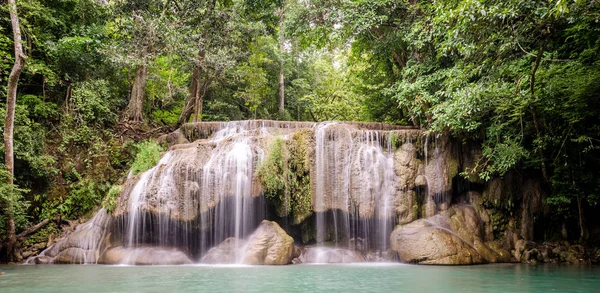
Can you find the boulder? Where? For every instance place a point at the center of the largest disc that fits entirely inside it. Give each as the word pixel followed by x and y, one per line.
pixel 453 237
pixel 268 245
pixel 330 255
pixel 144 256
pixel 224 253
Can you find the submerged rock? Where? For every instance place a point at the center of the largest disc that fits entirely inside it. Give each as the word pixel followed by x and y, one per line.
pixel 453 237
pixel 330 255
pixel 144 256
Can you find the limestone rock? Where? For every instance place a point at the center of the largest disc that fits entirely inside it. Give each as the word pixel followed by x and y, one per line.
pixel 453 237
pixel 79 247
pixel 405 164
pixel 269 245
pixel 224 253
pixel 144 256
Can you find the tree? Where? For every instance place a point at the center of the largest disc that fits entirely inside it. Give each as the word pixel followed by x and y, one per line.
pixel 140 33
pixel 281 14
pixel 11 100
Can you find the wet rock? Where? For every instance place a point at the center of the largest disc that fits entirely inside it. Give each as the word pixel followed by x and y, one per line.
pixel 224 253
pixel 144 256
pixel 453 237
pixel 330 255
pixel 79 247
pixel 382 256
pixel 269 245
pixel 42 260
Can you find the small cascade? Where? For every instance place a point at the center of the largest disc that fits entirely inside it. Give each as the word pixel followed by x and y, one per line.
pixel 198 196
pixel 354 187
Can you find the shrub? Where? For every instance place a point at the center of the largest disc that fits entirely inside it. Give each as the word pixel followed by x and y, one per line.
pixel 147 157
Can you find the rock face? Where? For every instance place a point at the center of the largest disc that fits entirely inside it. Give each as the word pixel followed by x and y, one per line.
pixel 268 245
pixel 563 252
pixel 330 255
pixel 80 247
pixel 144 256
pixel 453 237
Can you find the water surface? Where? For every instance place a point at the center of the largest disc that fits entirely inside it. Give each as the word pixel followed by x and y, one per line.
pixel 300 278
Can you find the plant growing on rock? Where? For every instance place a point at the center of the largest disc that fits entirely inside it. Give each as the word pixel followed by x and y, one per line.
pixel 285 176
pixel 147 157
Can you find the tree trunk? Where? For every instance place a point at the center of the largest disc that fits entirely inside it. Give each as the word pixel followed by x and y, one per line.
pixel 198 95
pixel 582 229
pixel 188 108
pixel 9 122
pixel 134 110
pixel 281 72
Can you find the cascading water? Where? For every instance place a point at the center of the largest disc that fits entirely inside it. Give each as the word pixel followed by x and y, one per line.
pixel 354 187
pixel 206 193
pixel 218 191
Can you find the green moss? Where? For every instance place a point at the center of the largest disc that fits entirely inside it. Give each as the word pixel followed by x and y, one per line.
pixel 285 176
pixel 273 175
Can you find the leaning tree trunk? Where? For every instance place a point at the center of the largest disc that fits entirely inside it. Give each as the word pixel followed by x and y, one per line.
pixel 9 122
pixel 188 108
pixel 281 72
pixel 134 110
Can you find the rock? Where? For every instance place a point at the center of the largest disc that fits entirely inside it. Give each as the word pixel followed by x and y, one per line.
pixel 453 237
pixel 385 256
pixel 269 245
pixel 406 206
pixel 39 246
pixel 423 242
pixel 27 253
pixel 421 181
pixel 405 165
pixel 42 259
pixel 144 256
pixel 82 245
pixel 330 255
pixel 76 255
pixel 224 253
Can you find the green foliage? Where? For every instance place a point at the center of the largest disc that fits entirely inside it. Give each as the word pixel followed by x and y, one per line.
pixel 109 203
pixel 12 202
pixel 91 101
pixel 84 197
pixel 285 176
pixel 148 155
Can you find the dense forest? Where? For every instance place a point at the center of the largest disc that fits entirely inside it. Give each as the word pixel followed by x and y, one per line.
pixel 100 78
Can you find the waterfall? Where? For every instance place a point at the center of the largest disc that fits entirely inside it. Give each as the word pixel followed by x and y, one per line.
pixel 357 182
pixel 196 197
pixel 354 186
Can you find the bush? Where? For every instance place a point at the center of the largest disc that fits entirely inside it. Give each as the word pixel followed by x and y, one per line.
pixel 91 100
pixel 110 200
pixel 147 157
pixel 11 196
